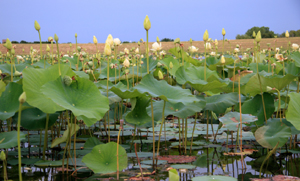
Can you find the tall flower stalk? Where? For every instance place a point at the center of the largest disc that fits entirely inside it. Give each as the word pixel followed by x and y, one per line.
pixel 22 100
pixel 147 26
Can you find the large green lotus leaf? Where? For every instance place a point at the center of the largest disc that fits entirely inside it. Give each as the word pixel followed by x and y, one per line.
pixel 82 97
pixel 269 135
pixel 231 120
pixel 261 67
pixel 294 131
pixel 121 90
pixel 292 69
pixel 138 116
pixel 173 175
pixel 195 77
pixel 2 87
pixel 82 74
pixel 103 158
pixel 276 81
pixel 6 68
pixel 91 143
pixel 254 106
pixel 35 119
pixel 166 63
pixel 33 81
pixel 40 64
pixel 219 103
pixel 112 74
pixel 259 57
pixel 102 84
pixel 293 110
pixel 9 100
pixel 185 57
pixel 165 91
pixel 218 63
pixel 10 139
pixel 47 163
pixel 214 178
pixel 66 134
pixel 296 56
pixel 143 68
pixel 177 109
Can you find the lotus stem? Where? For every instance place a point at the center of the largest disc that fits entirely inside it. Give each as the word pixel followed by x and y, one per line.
pixel 51 52
pixel 11 70
pixel 138 161
pixel 5 178
pixel 163 121
pixel 241 135
pixel 41 51
pixel 185 141
pixel 19 141
pixel 205 61
pixel 152 115
pixel 74 144
pixel 78 55
pixel 193 132
pixel 46 136
pixel 267 157
pixel 120 128
pixel 58 59
pixel 223 45
pixel 108 60
pixel 147 53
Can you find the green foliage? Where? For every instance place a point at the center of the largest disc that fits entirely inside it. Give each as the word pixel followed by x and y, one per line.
pixel 166 40
pixel 265 33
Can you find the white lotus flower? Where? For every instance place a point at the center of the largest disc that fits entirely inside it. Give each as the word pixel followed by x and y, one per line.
pixel 193 49
pixel 126 63
pixel 212 53
pixel 156 46
pixel 162 53
pixel 236 50
pixel 295 46
pixel 137 50
pixel 126 51
pixel 277 49
pixel 117 42
pixel 207 46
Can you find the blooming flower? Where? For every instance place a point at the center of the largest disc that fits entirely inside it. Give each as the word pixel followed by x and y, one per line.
pixel 117 41
pixel 126 63
pixel 156 46
pixel 212 53
pixel 207 46
pixel 193 49
pixel 236 50
pixel 295 46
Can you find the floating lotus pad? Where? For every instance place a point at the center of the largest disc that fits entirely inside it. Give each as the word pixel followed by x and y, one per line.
pixel 231 120
pixel 10 139
pixel 214 178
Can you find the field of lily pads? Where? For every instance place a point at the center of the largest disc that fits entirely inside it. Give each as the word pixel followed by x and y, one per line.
pixel 179 114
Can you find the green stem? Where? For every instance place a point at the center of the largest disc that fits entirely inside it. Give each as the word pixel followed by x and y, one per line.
pixel 51 52
pixel 46 136
pixel 223 46
pixel 267 157
pixel 11 70
pixel 152 115
pixel 58 59
pixel 162 122
pixel 41 51
pixel 147 53
pixel 193 132
pixel 108 60
pixel 19 142
pixel 78 56
pixel 205 62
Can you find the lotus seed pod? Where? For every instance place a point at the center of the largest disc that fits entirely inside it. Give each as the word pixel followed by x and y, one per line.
pixel 55 37
pixel 160 75
pixel 157 39
pixel 178 49
pixel 78 48
pixel 147 23
pixel 48 48
pixel 22 98
pixel 8 54
pixel 171 65
pixel 8 44
pixel 37 26
pixel 253 34
pixel 177 40
pixel 75 35
pixel 222 60
pixel 258 37
pixel 287 34
pixel 2 156
pixel 223 32
pixel 268 44
pixel 67 80
pixel 95 40
pixel 126 71
pixel 88 71
pixel 109 40
pixel 205 36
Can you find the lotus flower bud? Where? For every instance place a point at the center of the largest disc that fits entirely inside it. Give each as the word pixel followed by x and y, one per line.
pixel 90 63
pixel 142 56
pixel 50 38
pixel 157 39
pixel 289 43
pixel 12 51
pixel 70 45
pixel 8 44
pixel 88 71
pixel 171 65
pixel 117 41
pixel 139 43
pixel 75 35
pixel 37 26
pixel 55 38
pixel 216 42
pixel 78 48
pixel 160 75
pixel 109 40
pixel 48 48
pixel 95 40
pixel 126 51
pixel 258 37
pixel 126 71
pixel 137 50
pixel 147 23
pixel 191 40
pixel 269 89
pixel 223 32
pixel 159 64
pixel 287 34
pixel 22 98
pixel 205 36
pixel 112 65
pixel 253 34
pixel 67 80
pixel 2 156
pixel 107 50
pixel 126 63
pixel 177 40
pixel 17 73
pixel 222 60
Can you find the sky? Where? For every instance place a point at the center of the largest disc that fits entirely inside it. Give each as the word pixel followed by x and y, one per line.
pixel 124 19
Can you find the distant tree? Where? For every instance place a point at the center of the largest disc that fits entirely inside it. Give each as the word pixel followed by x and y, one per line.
pixel 167 40
pixel 23 41
pixel 242 37
pixel 14 42
pixel 293 33
pixel 265 32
